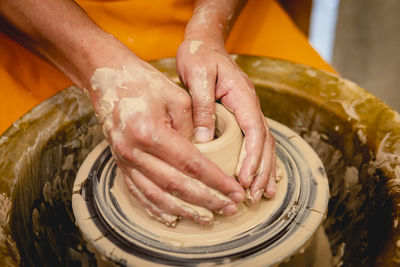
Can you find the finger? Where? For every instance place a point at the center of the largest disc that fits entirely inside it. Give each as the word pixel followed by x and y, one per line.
pixel 251 121
pixel 177 184
pixel 271 187
pixel 185 157
pixel 263 177
pixel 152 210
pixel 179 108
pixel 163 204
pixel 201 84
pixel 248 115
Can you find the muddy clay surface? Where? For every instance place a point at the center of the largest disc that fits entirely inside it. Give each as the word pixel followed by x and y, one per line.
pixel 355 135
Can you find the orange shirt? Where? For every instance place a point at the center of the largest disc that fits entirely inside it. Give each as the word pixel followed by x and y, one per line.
pixel 152 29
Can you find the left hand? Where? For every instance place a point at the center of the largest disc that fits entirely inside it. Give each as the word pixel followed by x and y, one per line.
pixel 210 74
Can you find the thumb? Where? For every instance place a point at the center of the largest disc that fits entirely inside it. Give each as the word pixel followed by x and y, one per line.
pixel 202 90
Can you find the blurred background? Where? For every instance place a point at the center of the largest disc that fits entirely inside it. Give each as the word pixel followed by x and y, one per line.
pixel 360 38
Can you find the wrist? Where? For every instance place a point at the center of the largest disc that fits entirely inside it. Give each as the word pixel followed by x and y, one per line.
pixel 213 19
pixel 100 50
pixel 212 38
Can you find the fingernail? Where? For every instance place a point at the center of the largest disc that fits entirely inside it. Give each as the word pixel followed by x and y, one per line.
pixel 229 210
pixel 271 188
pixel 202 134
pixel 257 195
pixel 236 196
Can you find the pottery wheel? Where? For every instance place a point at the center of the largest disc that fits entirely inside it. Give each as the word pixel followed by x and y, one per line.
pixel 266 234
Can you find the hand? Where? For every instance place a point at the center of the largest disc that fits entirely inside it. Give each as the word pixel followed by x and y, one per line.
pixel 145 117
pixel 210 74
pixel 147 120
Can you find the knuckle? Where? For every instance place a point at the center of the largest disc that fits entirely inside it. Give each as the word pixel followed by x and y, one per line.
pixel 135 156
pixel 132 189
pixel 143 135
pixel 214 204
pixel 126 153
pixel 172 187
pixel 203 113
pixel 203 108
pixel 152 196
pixel 192 166
pixel 120 150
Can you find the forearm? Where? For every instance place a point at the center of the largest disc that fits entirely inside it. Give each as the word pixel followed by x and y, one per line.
pixel 213 19
pixel 60 32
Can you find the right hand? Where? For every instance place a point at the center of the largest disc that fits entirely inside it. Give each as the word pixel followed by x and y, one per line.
pixel 147 120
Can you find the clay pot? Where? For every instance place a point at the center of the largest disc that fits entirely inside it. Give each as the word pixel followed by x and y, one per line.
pixel 355 134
